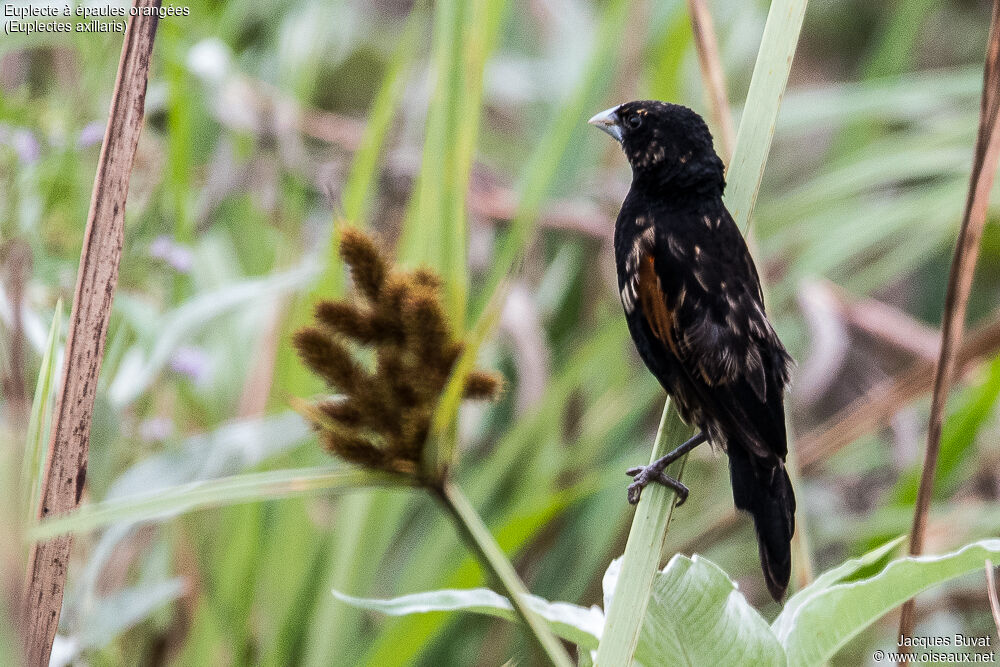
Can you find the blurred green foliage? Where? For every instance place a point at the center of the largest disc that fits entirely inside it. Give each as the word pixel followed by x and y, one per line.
pixel 256 141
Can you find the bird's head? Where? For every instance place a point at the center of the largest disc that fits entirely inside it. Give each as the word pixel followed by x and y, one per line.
pixel 665 143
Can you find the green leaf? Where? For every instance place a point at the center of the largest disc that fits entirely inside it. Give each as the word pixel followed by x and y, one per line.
pixel 580 625
pixel 35 443
pixel 814 629
pixel 760 111
pixel 633 588
pixel 688 588
pixel 845 570
pixel 434 232
pixel 491 556
pixel 697 616
pixel 252 487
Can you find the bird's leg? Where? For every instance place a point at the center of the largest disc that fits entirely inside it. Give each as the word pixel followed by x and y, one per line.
pixel 645 475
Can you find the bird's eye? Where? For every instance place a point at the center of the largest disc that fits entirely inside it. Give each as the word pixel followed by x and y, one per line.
pixel 634 121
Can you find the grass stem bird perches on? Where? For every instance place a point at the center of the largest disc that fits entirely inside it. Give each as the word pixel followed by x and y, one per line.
pixel 391 356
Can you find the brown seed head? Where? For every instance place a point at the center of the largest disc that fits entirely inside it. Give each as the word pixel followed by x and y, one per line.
pixel 483 386
pixel 368 269
pixel 327 358
pixel 383 417
pixel 348 320
pixel 344 411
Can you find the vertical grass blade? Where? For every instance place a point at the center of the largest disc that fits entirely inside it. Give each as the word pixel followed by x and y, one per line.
pixel 642 551
pixel 648 532
pixel 420 242
pixel 356 197
pixel 31 465
pixel 482 30
pixel 355 202
pixel 434 232
pixel 760 111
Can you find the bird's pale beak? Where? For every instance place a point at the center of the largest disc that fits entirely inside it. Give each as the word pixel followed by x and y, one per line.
pixel 609 122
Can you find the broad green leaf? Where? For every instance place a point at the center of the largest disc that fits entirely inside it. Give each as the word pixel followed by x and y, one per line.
pixel 685 590
pixel 814 630
pixel 698 616
pixel 830 577
pixel 580 625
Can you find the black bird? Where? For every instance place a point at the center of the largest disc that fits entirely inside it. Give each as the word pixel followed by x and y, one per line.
pixel 695 310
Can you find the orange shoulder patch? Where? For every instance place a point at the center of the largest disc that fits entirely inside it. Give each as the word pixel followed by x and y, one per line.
pixel 654 303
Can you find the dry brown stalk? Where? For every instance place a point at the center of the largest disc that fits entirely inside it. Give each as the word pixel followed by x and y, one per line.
pixel 984 166
pixel 712 74
pixel 66 464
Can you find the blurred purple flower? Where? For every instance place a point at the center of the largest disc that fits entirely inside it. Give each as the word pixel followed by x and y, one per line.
pixel 92 133
pixel 194 362
pixel 23 141
pixel 176 255
pixel 156 429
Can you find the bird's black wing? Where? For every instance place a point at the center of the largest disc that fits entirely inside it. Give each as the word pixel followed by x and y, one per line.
pixel 695 290
pixel 696 287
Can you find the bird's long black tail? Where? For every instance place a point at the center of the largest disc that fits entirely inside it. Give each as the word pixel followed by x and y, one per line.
pixel 763 489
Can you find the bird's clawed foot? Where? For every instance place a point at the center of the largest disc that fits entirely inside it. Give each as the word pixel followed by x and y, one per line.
pixel 646 475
